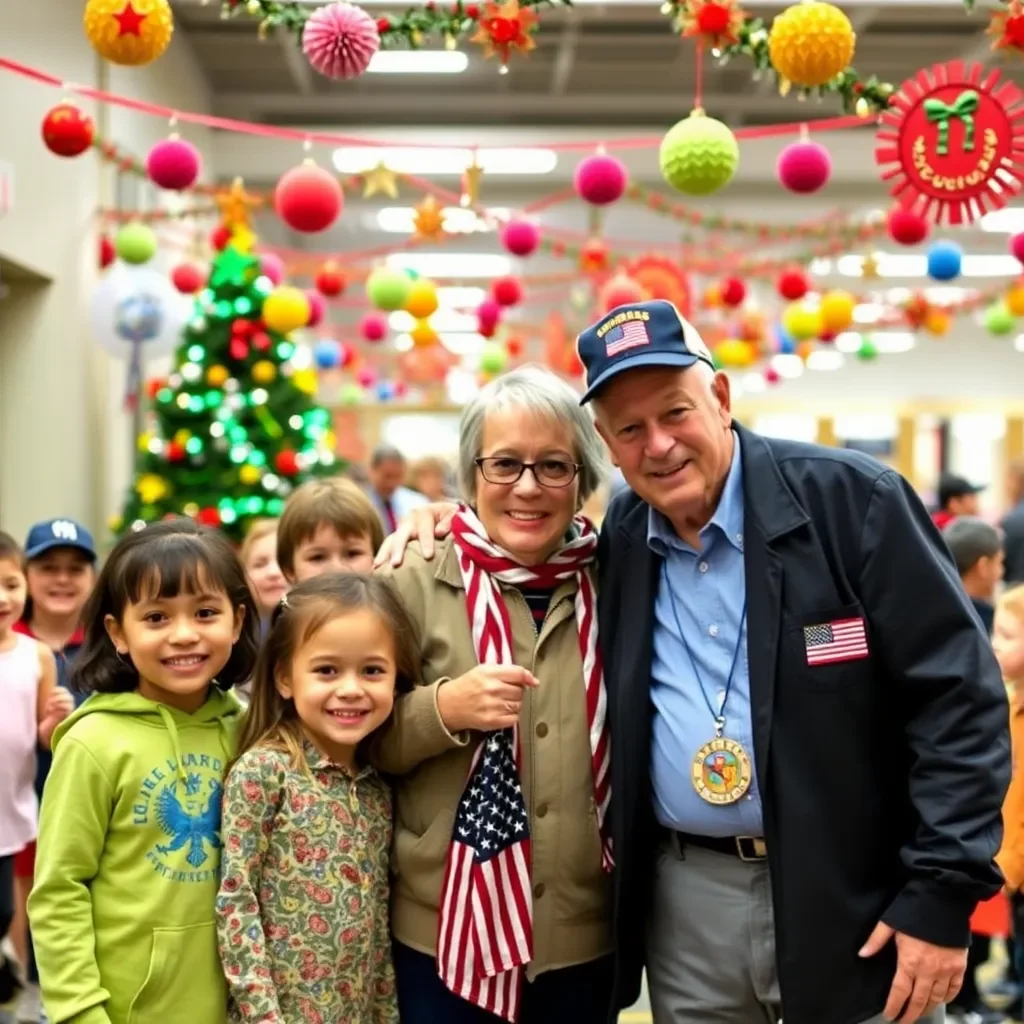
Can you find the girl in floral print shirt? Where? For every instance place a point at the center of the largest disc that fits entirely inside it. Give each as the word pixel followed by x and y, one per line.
pixel 303 903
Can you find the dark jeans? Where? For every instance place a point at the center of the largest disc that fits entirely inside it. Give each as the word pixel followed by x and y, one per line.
pixel 580 994
pixel 6 893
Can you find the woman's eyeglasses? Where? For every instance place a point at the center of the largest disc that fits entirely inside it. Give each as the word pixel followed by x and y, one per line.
pixel 500 469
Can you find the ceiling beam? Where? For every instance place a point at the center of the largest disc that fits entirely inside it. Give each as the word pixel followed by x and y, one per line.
pixel 561 72
pixel 298 67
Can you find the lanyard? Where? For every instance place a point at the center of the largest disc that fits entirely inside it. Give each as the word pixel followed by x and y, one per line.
pixel 719 715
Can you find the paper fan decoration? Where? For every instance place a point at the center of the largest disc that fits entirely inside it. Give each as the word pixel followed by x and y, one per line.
pixel 661 278
pixel 952 142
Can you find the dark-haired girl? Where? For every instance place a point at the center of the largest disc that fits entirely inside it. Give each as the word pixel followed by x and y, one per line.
pixel 303 904
pixel 128 858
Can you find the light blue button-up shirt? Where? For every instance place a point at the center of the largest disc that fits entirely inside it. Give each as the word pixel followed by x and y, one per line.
pixel 709 591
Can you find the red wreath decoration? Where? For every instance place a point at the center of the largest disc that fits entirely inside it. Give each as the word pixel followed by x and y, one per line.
pixel 953 140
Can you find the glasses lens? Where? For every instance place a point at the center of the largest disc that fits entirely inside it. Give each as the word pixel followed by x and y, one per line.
pixel 555 473
pixel 502 471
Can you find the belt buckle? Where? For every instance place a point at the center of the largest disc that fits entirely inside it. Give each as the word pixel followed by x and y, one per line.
pixel 751 848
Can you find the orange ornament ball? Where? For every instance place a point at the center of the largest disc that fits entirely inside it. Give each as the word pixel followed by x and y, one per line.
pixel 1014 299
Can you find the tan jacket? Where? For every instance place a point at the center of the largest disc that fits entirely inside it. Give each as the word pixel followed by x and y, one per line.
pixel 1011 854
pixel 571 906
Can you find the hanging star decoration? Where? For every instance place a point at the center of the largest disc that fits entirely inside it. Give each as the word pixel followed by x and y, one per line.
pixel 1008 28
pixel 129 21
pixel 471 183
pixel 505 28
pixel 380 179
pixel 716 23
pixel 869 267
pixel 429 220
pixel 235 211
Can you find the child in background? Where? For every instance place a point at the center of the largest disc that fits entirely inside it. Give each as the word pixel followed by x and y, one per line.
pixel 327 526
pixel 977 549
pixel 303 904
pixel 259 559
pixel 127 867
pixel 32 708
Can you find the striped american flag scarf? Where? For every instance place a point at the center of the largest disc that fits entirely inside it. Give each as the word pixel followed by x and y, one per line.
pixel 485 927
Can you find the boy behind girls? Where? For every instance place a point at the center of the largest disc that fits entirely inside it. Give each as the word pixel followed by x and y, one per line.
pixel 327 526
pixel 977 549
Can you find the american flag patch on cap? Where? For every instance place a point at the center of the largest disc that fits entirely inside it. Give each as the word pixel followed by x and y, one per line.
pixel 627 335
pixel 842 640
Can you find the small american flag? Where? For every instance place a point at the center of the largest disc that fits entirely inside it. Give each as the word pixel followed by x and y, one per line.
pixel 842 640
pixel 486 921
pixel 631 334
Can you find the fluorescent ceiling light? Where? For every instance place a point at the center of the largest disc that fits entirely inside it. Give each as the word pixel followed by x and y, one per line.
pixel 893 341
pixel 426 161
pixel 452 264
pixel 820 267
pixel 912 265
pixel 787 365
pixel 753 383
pixel 848 341
pixel 461 298
pixel 1009 221
pixel 1018 343
pixel 418 62
pixel 825 359
pixel 442 320
pixel 401 220
pixel 868 313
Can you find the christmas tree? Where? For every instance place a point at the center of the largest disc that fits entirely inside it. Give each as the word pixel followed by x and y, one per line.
pixel 234 428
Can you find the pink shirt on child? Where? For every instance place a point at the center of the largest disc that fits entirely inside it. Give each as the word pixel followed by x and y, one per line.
pixel 19 697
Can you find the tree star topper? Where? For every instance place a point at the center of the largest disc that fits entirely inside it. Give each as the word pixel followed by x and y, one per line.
pixel 380 179
pixel 506 27
pixel 429 220
pixel 235 205
pixel 714 22
pixel 952 142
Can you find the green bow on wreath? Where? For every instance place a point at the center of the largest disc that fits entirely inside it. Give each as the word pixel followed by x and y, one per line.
pixel 963 108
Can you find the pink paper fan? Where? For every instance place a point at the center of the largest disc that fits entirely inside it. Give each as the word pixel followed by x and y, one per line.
pixel 339 40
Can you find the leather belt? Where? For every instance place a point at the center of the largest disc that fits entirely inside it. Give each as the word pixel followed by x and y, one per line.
pixel 749 848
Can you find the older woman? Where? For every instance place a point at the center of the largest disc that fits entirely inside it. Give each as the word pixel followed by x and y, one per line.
pixel 501 902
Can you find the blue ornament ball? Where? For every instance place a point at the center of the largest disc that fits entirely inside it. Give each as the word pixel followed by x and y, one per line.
pixel 944 261
pixel 784 343
pixel 385 391
pixel 327 354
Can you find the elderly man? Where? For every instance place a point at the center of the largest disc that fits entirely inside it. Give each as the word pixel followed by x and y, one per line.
pixel 809 731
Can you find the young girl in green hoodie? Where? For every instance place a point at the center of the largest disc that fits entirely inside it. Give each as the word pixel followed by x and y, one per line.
pixel 128 858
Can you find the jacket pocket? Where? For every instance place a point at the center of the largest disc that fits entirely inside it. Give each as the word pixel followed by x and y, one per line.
pixel 184 982
pixel 827 650
pixel 419 861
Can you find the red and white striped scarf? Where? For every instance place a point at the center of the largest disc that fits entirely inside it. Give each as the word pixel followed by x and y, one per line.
pixel 485 927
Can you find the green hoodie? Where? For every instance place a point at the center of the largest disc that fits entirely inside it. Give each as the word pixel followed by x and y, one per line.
pixel 127 868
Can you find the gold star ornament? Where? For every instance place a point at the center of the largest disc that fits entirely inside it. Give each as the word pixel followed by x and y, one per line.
pixel 869 267
pixel 429 220
pixel 471 183
pixel 380 180
pixel 236 205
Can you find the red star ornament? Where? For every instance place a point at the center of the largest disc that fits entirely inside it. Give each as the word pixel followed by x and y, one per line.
pixel 714 22
pixel 1008 28
pixel 504 28
pixel 129 21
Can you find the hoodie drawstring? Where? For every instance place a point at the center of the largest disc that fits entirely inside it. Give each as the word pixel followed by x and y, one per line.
pixel 172 730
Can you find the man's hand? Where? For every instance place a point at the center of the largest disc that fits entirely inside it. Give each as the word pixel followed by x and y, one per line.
pixel 422 524
pixel 927 976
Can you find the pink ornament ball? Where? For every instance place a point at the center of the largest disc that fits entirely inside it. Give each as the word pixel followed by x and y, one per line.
pixel 401 389
pixel 271 267
pixel 308 198
pixel 488 314
pixel 187 278
pixel 1017 246
pixel 366 377
pixel 907 227
pixel 174 164
pixel 317 308
pixel 339 40
pixel 621 290
pixel 600 179
pixel 804 167
pixel 520 237
pixel 772 376
pixel 374 327
pixel 507 291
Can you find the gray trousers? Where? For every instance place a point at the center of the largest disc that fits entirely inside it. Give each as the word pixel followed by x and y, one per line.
pixel 711 942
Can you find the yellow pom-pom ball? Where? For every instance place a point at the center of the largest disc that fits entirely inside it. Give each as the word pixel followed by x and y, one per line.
pixel 306 380
pixel 249 475
pixel 286 309
pixel 182 436
pixel 937 323
pixel 216 376
pixel 421 301
pixel 150 488
pixel 264 371
pixel 1015 299
pixel 698 155
pixel 423 335
pixel 836 311
pixel 143 440
pixel 735 354
pixel 802 322
pixel 810 43
pixel 131 32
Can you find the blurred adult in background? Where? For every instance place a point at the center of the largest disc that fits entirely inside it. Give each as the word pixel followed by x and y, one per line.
pixel 259 559
pixel 429 476
pixel 391 499
pixel 977 549
pixel 957 497
pixel 1013 524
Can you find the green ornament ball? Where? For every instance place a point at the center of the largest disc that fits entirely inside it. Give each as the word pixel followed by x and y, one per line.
pixel 135 243
pixel 351 394
pixel 999 320
pixel 493 358
pixel 388 289
pixel 698 155
pixel 868 350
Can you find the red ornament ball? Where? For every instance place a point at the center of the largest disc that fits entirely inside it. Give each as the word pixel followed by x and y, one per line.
pixel 175 452
pixel 153 385
pixel 520 237
pixel 187 278
pixel 242 328
pixel 772 376
pixel 286 463
pixel 219 238
pixel 208 516
pixel 260 341
pixel 907 227
pixel 1017 246
pixel 732 291
pixel 174 164
pixel 804 167
pixel 713 19
pixel 488 313
pixel 827 337
pixel 308 198
pixel 317 308
pixel 238 349
pixel 792 285
pixel 514 347
pixel 507 291
pixel 600 179
pixel 67 131
pixel 373 327
pixel 621 290
pixel 330 280
pixel 107 253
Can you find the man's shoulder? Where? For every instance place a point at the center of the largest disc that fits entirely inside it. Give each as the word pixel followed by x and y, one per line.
pixel 799 460
pixel 624 504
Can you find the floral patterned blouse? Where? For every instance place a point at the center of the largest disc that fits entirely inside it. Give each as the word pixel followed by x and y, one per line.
pixel 303 904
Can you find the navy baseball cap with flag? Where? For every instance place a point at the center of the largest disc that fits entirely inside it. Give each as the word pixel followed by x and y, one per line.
pixel 641 334
pixel 59 533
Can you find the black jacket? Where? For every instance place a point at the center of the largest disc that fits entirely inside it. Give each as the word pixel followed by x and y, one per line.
pixel 1013 543
pixel 882 778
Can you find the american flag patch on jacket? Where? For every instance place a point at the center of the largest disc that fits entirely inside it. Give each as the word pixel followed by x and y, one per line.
pixel 842 640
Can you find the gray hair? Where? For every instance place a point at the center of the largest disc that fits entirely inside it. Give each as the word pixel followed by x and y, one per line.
pixel 537 390
pixel 385 453
pixel 970 539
